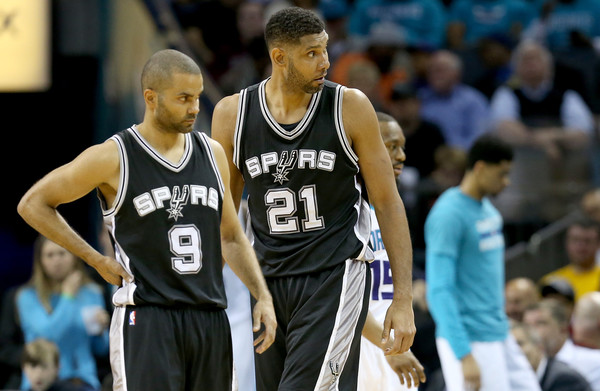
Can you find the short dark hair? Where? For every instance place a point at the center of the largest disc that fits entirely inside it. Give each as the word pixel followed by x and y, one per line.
pixel 163 64
pixel 490 149
pixel 290 24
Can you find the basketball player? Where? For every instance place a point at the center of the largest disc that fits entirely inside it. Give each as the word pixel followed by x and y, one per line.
pixel 167 205
pixel 303 147
pixel 465 278
pixel 377 370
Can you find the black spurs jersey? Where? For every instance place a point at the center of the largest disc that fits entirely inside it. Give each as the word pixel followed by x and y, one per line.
pixel 305 201
pixel 165 224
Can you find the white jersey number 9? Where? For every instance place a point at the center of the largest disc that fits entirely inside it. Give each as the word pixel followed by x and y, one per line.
pixel 185 245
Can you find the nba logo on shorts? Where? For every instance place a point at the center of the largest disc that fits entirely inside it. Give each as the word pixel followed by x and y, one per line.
pixel 132 318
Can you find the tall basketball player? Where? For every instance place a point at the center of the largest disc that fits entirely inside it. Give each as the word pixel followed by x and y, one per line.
pixel 167 205
pixel 305 149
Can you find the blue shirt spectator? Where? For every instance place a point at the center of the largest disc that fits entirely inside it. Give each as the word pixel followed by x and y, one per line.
pixel 420 22
pixel 63 305
pixel 471 20
pixel 460 111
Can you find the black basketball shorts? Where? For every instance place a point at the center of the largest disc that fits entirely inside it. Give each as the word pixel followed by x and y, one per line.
pixel 320 318
pixel 157 348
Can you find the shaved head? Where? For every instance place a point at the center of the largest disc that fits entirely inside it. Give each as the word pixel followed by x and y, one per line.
pixel 160 68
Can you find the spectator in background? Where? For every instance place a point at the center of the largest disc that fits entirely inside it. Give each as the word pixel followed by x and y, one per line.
pixel 211 28
pixel 550 319
pixel 581 243
pixel 252 63
pixel 562 25
pixel 471 20
pixel 465 278
pixel 461 111
pixel 365 76
pixel 585 322
pixel 422 136
pixel 560 290
pixel 62 304
pixel 41 363
pixel 531 111
pixel 553 374
pixel 494 53
pixel 384 50
pixel 420 22
pixel 520 293
pixel 550 127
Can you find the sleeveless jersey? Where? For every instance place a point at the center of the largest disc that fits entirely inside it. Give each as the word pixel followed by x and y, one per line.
pixel 165 224
pixel 382 288
pixel 305 198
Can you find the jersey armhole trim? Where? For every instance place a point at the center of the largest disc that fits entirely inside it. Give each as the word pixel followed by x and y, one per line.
pixel 213 162
pixel 339 124
pixel 239 125
pixel 123 180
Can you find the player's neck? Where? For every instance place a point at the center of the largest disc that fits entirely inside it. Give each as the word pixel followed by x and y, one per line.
pixel 286 105
pixel 170 145
pixel 469 187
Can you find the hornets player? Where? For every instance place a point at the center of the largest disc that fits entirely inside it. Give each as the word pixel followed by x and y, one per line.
pixel 379 371
pixel 166 203
pixel 307 151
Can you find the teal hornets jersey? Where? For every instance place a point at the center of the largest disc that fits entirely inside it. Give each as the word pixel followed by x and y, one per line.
pixel 165 224
pixel 305 198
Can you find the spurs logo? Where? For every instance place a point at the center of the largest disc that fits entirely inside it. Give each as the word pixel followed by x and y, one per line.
pixel 178 200
pixel 286 162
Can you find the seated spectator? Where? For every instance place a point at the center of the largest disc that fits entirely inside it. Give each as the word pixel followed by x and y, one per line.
pixel 566 24
pixel 549 318
pixel 420 22
pixel 551 129
pixel 384 50
pixel 494 67
pixel 520 293
pixel 532 112
pixel 40 363
pixel 581 243
pixel 422 136
pixel 461 111
pixel 62 304
pixel 554 374
pixel 585 322
pixel 471 20
pixel 561 291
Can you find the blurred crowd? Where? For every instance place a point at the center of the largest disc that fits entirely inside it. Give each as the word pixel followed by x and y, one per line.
pixel 447 71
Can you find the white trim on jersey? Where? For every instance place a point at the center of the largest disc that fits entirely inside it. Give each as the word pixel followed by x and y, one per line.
pixel 277 128
pixel 345 326
pixel 362 228
pixel 123 180
pixel 117 350
pixel 185 158
pixel 239 124
pixel 213 161
pixel 339 124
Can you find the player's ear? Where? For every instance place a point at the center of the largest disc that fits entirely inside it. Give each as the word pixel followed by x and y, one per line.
pixel 150 96
pixel 278 56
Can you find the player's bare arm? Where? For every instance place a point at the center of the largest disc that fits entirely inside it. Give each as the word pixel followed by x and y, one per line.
pixel 238 253
pixel 96 167
pixel 362 130
pixel 222 130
